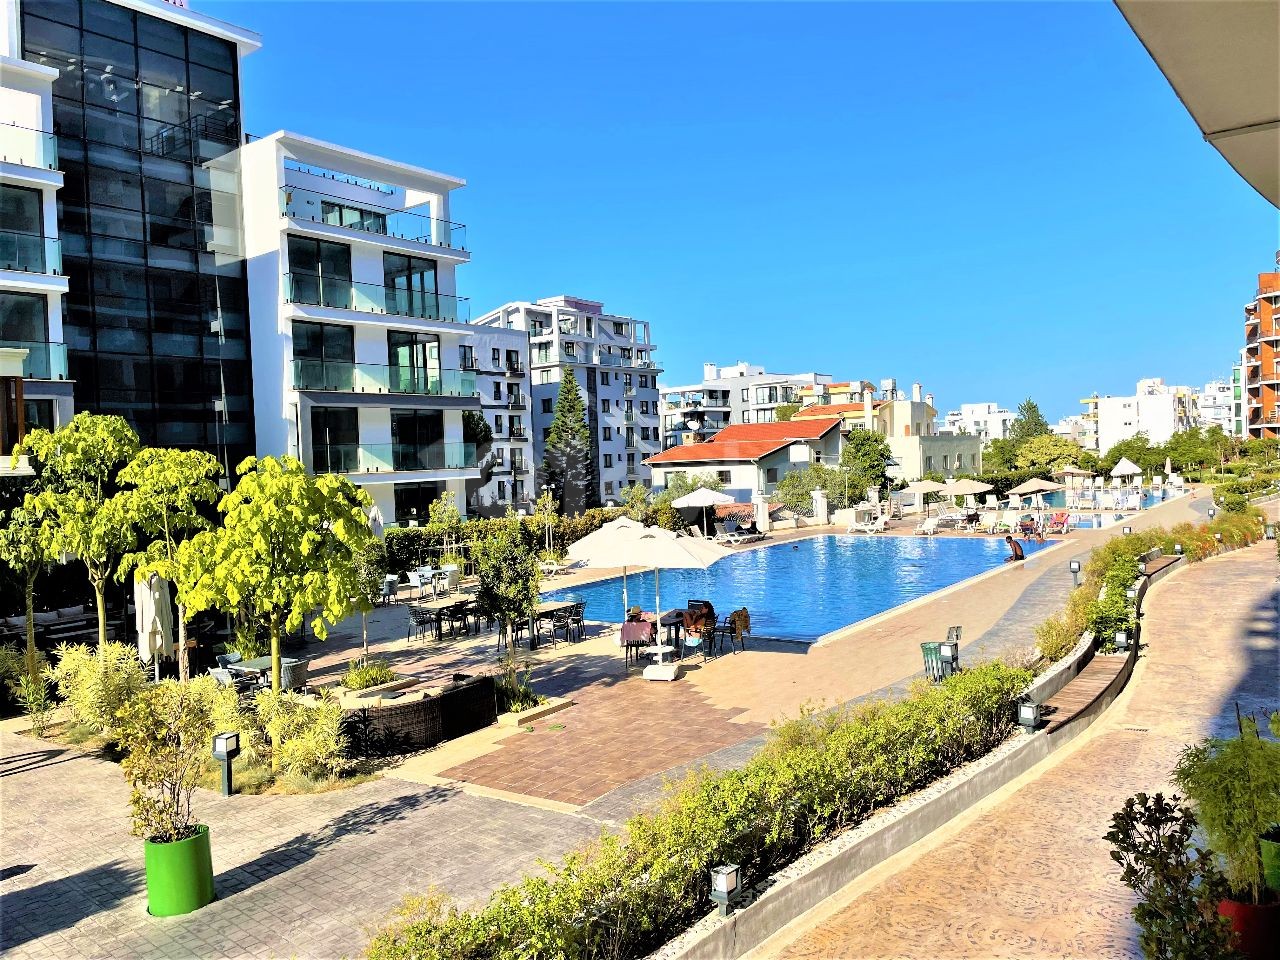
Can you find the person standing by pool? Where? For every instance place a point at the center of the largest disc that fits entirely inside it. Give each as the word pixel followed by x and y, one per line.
pixel 1015 551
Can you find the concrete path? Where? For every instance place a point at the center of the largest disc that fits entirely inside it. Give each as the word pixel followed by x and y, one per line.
pixel 1027 874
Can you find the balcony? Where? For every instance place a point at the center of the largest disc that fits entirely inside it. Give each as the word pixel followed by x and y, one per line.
pixel 519 466
pixel 514 368
pixel 45 361
pixel 517 433
pixel 345 377
pixel 30 253
pixel 27 147
pixel 629 416
pixel 392 457
pixel 516 403
pixel 317 291
pixel 308 205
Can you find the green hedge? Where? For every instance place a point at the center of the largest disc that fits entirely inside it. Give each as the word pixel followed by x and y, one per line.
pixel 821 774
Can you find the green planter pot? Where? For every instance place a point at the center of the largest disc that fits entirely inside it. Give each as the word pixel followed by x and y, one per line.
pixel 179 875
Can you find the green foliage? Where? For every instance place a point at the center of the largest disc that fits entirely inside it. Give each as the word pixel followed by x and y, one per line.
pixel 567 463
pixel 97 681
pixel 25 677
pixel 476 429
pixel 167 729
pixel 1234 503
pixel 306 736
pixel 22 550
pixel 635 501
pixel 817 776
pixel 513 688
pixel 1000 456
pixel 795 487
pixel 508 574
pixel 1004 481
pixel 1178 885
pixel 1235 786
pixel 289 547
pixel 682 484
pixel 1048 452
pixel 1028 423
pixel 864 458
pixel 1138 449
pixel 363 674
pixel 785 411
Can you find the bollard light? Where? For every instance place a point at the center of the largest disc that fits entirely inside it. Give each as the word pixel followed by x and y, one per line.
pixel 1142 569
pixel 1132 593
pixel 724 887
pixel 1213 512
pixel 1218 537
pixel 1122 640
pixel 226 747
pixel 1126 530
pixel 1074 567
pixel 953 635
pixel 1270 532
pixel 949 652
pixel 1177 548
pixel 1028 715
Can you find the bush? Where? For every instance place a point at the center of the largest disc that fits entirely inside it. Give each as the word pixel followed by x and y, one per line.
pixel 363 674
pixel 306 737
pixel 818 775
pixel 1234 503
pixel 513 689
pixel 97 681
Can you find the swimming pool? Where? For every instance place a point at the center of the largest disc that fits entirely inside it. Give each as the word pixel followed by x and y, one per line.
pixel 1150 498
pixel 805 589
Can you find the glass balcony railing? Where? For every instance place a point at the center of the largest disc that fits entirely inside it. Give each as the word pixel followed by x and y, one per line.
pixel 348 377
pixel 30 252
pixel 302 204
pixel 391 457
pixel 374 298
pixel 45 361
pixel 27 147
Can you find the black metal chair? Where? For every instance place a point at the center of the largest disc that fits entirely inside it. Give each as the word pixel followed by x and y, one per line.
pixel 577 617
pixel 456 615
pixel 562 624
pixel 423 621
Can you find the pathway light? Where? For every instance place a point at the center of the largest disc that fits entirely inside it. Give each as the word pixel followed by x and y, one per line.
pixel 1213 512
pixel 724 886
pixel 1126 530
pixel 1028 715
pixel 1177 548
pixel 226 747
pixel 1122 640
pixel 1074 567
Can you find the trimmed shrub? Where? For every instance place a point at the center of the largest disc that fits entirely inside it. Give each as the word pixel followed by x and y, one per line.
pixel 818 775
pixel 363 674
pixel 97 681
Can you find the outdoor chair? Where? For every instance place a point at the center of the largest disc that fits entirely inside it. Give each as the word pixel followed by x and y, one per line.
pixel 635 636
pixel 456 615
pixel 224 677
pixel 879 525
pixel 224 659
pixel 293 674
pixel 577 617
pixel 928 527
pixel 562 623
pixel 724 536
pixel 388 594
pixel 423 621
pixel 701 641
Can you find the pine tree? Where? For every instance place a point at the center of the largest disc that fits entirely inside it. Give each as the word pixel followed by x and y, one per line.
pixel 568 461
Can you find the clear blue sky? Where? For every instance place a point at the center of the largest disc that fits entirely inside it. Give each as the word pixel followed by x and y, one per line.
pixel 997 200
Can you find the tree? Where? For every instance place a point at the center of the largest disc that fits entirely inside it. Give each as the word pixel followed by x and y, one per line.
pixel 865 457
pixel 168 490
pixel 288 546
pixel 785 411
pixel 568 465
pixel 1187 448
pixel 681 484
pixel 508 574
pixel 1048 451
pixel 1028 423
pixel 1000 456
pixel 78 514
pixel 22 551
pixel 635 500
pixel 1137 448
pixel 476 429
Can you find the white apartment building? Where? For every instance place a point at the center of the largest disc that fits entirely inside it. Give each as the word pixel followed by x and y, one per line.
pixel 35 388
pixel 363 362
pixel 507 472
pixel 986 421
pixel 612 357
pixel 1078 429
pixel 741 393
pixel 1156 409
pixel 1216 405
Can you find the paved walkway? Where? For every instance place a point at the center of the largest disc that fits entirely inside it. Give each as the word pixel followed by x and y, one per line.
pixel 1028 874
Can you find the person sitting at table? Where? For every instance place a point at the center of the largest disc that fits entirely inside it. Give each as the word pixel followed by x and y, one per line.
pixel 636 615
pixel 696 620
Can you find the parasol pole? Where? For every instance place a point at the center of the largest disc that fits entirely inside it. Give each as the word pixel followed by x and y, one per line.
pixel 624 595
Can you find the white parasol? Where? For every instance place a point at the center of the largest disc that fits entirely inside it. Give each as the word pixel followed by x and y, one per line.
pixel 607 535
pixel 702 498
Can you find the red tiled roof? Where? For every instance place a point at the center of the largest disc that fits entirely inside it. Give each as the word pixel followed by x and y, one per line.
pixel 717 450
pixel 817 410
pixel 811 429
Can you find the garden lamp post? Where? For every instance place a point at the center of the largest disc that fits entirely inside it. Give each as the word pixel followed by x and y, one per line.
pixel 1126 530
pixel 1074 567
pixel 1213 512
pixel 226 747
pixel 1028 715
pixel 1177 549
pixel 1122 640
pixel 724 887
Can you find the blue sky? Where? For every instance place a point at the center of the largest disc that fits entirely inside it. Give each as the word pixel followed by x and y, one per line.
pixel 998 200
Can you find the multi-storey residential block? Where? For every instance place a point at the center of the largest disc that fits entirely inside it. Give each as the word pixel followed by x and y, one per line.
pixel 741 393
pixel 130 111
pixel 1261 373
pixel 507 472
pixel 1155 409
pixel 363 362
pixel 986 421
pixel 1216 405
pixel 612 357
pixel 1078 429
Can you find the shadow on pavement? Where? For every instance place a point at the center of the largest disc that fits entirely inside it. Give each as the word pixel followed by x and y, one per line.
pixel 59 904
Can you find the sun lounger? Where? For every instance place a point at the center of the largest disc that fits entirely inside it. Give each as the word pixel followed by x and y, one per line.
pixel 1008 522
pixel 928 527
pixel 1058 523
pixel 879 525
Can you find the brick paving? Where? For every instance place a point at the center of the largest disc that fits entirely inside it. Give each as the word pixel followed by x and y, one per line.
pixel 1029 876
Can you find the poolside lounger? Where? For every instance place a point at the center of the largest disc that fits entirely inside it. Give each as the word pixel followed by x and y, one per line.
pixel 879 525
pixel 1008 522
pixel 724 536
pixel 1060 522
pixel 928 527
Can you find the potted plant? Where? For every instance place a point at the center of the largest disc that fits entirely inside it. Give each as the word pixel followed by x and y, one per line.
pixel 167 730
pixel 1234 784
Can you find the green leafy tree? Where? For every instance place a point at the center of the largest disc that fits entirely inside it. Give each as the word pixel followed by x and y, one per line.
pixel 288 547
pixel 1029 422
pixel 168 493
pixel 508 574
pixel 865 457
pixel 79 516
pixel 22 550
pixel 476 429
pixel 785 411
pixel 1263 450
pixel 1000 456
pixel 635 500
pixel 568 463
pixel 1138 449
pixel 1048 451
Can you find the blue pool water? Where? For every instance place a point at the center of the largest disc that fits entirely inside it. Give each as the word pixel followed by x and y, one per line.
pixel 1058 499
pixel 805 589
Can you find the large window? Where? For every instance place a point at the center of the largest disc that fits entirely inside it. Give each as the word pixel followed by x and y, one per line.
pixel 335 440
pixel 320 272
pixel 414 359
pixel 417 439
pixel 323 354
pixel 411 285
pixel 413 501
pixel 23 317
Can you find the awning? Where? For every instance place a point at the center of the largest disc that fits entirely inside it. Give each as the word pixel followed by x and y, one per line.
pixel 1220 58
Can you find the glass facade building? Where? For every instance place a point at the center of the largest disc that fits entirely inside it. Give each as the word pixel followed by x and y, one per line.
pixel 147 119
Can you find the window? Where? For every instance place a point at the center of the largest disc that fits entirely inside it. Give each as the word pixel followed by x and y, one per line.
pixel 644 382
pixel 771 475
pixel 322 356
pixel 608 488
pixel 319 272
pixel 546 434
pixel 644 433
pixel 544 376
pixel 497 358
pixel 546 404
pixel 723 476
pixel 626 383
pixel 570 349
pixel 517 490
pixel 604 405
pixel 765 416
pixel 607 433
pixel 497 423
pixel 466 357
pixel 23 318
pixel 608 459
pixel 604 378
pixel 516 426
pixel 502 490
pixel 497 390
pixel 746 416
pixel 745 395
pixel 499 455
pixel 335 440
pixel 928 463
pixel 410 284
pixel 620 329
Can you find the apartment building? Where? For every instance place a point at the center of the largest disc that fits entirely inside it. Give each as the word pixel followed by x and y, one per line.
pixel 612 357
pixel 1156 409
pixel 363 362
pixel 507 472
pixel 1078 429
pixel 741 393
pixel 1261 373
pixel 123 273
pixel 986 421
pixel 1215 404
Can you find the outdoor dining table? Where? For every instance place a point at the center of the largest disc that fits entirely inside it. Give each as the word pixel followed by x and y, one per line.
pixel 673 620
pixel 257 666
